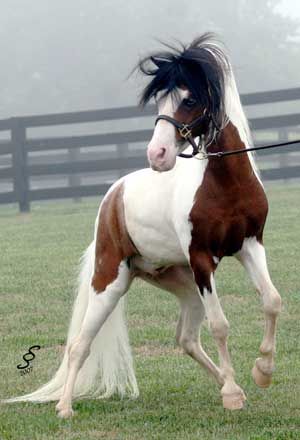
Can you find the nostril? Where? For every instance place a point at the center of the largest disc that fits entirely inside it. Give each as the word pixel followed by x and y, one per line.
pixel 161 153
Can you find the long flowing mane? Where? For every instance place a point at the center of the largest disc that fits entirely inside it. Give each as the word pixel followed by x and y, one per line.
pixel 236 114
pixel 204 68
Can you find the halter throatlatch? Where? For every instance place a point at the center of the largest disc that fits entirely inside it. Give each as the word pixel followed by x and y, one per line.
pixel 185 131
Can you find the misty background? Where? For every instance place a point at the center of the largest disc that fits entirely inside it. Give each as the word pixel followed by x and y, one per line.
pixel 69 55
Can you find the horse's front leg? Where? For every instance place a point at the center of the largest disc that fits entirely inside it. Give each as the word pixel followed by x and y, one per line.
pixel 253 258
pixel 203 266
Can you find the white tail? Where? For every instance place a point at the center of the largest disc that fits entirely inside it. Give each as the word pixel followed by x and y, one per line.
pixel 109 367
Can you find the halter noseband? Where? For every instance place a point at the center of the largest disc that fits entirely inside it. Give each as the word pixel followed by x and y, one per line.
pixel 185 130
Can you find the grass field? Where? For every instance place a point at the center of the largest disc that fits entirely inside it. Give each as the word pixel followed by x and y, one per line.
pixel 39 254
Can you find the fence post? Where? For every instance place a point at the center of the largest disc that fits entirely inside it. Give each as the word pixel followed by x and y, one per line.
pixel 21 184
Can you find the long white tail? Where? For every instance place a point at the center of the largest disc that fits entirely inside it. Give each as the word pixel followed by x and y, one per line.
pixel 109 367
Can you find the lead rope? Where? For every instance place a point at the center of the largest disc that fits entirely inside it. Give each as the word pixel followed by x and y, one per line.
pixel 204 155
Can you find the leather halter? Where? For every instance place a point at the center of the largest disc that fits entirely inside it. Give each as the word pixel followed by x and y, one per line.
pixel 185 130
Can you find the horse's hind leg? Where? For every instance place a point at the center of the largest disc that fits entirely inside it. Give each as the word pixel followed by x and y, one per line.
pixel 253 258
pixel 100 305
pixel 188 334
pixel 111 279
pixel 180 282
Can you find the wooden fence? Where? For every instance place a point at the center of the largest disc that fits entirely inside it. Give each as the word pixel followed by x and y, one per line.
pixel 24 158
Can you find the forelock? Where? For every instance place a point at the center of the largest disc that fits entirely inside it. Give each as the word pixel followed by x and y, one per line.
pixel 201 67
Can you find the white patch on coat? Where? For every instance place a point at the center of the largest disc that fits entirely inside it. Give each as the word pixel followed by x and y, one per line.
pixel 164 134
pixel 164 131
pixel 157 208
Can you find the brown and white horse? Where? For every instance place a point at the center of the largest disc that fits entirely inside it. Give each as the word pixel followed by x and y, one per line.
pixel 171 225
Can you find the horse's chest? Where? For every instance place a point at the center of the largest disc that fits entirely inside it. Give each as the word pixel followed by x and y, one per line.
pixel 157 208
pixel 149 220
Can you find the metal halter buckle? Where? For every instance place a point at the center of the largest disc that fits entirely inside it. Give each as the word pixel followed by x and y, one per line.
pixel 185 131
pixel 201 155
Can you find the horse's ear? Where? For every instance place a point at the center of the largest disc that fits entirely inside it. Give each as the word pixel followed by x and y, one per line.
pixel 159 62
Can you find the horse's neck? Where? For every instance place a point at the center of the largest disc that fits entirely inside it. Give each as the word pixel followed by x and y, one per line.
pixel 236 166
pixel 228 139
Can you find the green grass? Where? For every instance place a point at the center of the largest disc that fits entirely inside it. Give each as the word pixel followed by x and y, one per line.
pixel 39 254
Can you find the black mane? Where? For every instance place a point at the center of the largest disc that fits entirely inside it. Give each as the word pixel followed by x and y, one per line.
pixel 201 67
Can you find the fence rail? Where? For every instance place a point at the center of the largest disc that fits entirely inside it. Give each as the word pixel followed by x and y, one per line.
pixel 20 162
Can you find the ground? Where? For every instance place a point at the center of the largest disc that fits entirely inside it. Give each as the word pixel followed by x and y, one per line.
pixel 39 254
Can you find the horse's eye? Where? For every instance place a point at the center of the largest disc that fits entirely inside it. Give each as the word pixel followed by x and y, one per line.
pixel 189 102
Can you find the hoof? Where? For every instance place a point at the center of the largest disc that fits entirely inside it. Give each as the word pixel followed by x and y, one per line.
pixel 261 379
pixel 65 413
pixel 234 400
pixel 59 406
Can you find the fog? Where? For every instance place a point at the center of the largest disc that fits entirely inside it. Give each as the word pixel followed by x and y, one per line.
pixel 67 55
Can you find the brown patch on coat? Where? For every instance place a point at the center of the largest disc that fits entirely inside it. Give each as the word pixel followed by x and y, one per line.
pixel 230 205
pixel 113 243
